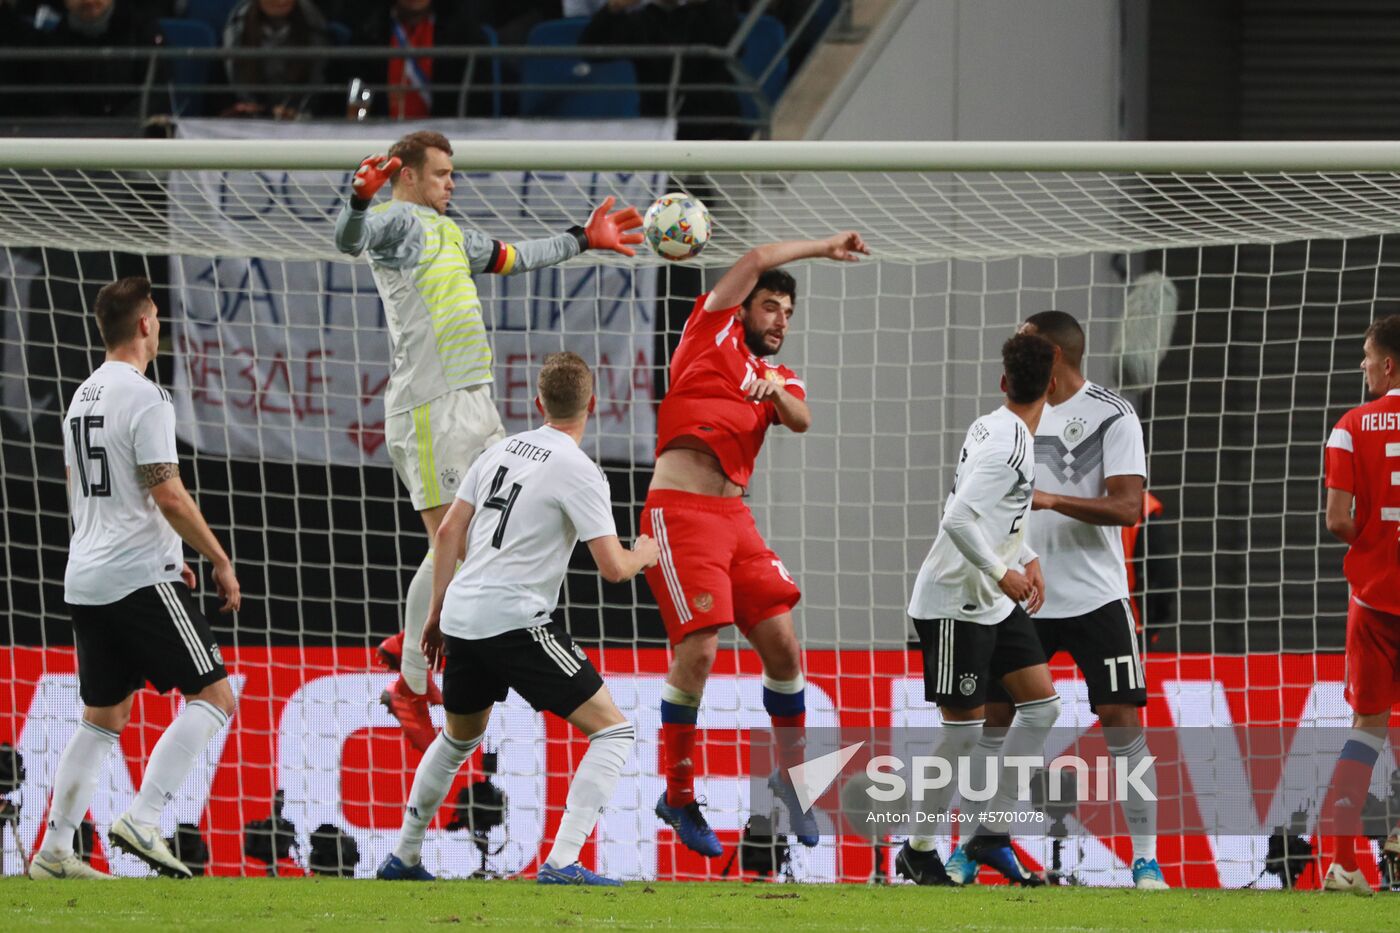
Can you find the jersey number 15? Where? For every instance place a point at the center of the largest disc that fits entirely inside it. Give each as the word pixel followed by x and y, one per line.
pixel 85 451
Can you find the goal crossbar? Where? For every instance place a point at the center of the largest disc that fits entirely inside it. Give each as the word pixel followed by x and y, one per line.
pixel 725 156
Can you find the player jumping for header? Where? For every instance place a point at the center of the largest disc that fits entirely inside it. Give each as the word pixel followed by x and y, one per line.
pixel 1363 470
pixel 715 568
pixel 438 407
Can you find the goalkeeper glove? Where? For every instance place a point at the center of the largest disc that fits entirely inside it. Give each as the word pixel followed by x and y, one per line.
pixel 612 231
pixel 373 172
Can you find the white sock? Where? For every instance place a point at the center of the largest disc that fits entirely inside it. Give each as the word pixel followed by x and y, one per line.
pixel 1026 737
pixel 591 789
pixel 73 784
pixel 959 738
pixel 1141 815
pixel 414 666
pixel 173 757
pixel 436 772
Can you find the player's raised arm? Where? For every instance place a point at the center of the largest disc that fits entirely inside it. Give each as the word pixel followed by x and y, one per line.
pixel 355 229
pixel 617 564
pixel 736 284
pixel 607 229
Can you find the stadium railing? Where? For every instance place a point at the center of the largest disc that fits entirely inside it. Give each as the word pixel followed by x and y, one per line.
pixel 757 71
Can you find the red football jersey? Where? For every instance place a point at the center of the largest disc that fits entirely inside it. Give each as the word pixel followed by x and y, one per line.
pixel 709 372
pixel 1363 458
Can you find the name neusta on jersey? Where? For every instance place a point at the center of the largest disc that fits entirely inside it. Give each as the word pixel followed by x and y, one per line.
pixel 1381 421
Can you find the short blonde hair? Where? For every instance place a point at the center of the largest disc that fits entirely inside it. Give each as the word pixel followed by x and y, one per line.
pixel 565 385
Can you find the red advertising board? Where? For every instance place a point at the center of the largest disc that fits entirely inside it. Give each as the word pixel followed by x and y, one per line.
pixel 309 724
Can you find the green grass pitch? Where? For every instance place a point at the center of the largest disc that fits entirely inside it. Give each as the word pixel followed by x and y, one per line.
pixel 295 905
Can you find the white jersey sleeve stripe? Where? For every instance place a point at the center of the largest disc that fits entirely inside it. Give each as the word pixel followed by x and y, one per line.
pixel 1108 397
pixel 1340 438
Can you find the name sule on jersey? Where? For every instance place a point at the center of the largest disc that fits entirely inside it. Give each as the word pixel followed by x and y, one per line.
pixel 91 392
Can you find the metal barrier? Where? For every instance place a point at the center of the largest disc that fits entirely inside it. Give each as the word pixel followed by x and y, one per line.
pixel 157 83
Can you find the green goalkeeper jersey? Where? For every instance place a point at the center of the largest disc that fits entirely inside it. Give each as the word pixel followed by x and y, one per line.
pixel 423 265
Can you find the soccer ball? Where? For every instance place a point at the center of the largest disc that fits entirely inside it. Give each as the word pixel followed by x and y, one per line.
pixel 677 226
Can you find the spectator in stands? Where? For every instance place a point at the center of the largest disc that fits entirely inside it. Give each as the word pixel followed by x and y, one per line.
pixel 513 19
pixel 426 86
pixel 89 24
pixel 677 22
pixel 276 24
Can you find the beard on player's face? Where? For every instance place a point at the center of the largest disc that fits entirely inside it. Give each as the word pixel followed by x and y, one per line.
pixel 762 342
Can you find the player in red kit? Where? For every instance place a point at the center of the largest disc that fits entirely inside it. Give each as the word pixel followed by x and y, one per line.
pixel 715 568
pixel 1363 468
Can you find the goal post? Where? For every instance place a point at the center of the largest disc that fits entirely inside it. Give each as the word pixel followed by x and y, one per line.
pixel 1224 288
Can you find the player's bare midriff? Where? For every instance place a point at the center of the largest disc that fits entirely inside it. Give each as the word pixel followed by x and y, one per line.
pixel 688 465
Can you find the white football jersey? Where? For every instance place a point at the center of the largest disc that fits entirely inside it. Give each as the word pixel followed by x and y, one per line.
pixel 994 477
pixel 118 420
pixel 1079 444
pixel 536 495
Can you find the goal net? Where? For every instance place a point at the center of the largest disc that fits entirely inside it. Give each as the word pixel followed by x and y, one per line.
pixel 1224 291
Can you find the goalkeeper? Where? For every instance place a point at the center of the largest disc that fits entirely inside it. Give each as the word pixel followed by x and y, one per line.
pixel 438 408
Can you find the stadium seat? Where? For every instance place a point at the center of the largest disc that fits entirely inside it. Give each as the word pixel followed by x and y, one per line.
pixel 763 45
pixel 621 99
pixel 557 31
pixel 188 76
pixel 213 13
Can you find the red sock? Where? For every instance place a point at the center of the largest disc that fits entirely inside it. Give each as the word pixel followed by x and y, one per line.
pixel 1341 810
pixel 678 745
pixel 792 739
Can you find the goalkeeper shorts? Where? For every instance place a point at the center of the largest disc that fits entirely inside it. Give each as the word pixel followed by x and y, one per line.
pixel 433 445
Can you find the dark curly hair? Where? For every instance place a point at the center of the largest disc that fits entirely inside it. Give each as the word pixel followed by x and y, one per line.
pixel 775 280
pixel 1385 333
pixel 1027 360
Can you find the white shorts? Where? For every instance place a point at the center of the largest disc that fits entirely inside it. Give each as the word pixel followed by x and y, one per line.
pixel 433 445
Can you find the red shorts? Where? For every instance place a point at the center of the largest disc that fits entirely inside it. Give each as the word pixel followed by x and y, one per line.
pixel 1373 660
pixel 715 567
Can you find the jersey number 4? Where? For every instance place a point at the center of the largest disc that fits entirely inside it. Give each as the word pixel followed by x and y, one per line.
pixel 84 450
pixel 505 503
